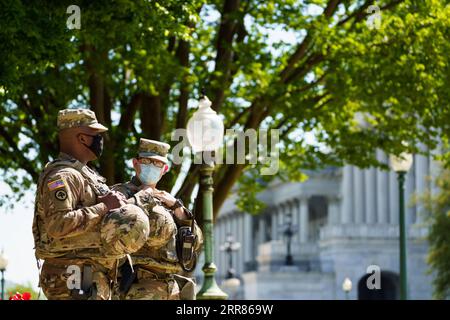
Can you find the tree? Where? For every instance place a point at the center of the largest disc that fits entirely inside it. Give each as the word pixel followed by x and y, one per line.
pixel 137 64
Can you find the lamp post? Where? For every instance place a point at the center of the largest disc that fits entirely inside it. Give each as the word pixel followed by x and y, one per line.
pixel 401 166
pixel 205 134
pixel 347 287
pixel 288 231
pixel 3 265
pixel 229 246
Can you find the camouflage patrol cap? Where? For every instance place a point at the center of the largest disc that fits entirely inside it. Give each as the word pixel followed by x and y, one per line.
pixel 124 230
pixel 153 149
pixel 73 118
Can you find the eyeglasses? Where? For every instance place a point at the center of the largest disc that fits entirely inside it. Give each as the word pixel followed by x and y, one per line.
pixel 156 163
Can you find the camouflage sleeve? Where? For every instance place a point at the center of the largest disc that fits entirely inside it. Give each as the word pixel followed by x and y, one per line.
pixel 120 187
pixel 199 234
pixel 144 200
pixel 62 198
pixel 182 222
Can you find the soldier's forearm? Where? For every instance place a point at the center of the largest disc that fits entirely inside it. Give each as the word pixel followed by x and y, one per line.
pixel 181 214
pixel 75 222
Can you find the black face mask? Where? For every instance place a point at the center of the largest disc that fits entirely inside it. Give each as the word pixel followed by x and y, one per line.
pixel 97 145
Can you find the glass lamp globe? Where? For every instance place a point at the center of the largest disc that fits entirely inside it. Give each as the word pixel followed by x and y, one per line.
pixel 3 261
pixel 401 163
pixel 347 285
pixel 205 129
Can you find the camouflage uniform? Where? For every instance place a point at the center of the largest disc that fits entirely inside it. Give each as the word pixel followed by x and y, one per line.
pixel 71 228
pixel 159 273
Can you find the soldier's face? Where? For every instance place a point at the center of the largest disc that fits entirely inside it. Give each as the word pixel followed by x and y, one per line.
pixel 137 162
pixel 92 141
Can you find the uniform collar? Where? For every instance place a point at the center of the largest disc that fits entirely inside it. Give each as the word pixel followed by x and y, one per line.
pixel 135 180
pixel 65 156
pixel 81 166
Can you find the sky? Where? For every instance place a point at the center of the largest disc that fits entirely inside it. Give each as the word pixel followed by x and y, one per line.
pixel 16 240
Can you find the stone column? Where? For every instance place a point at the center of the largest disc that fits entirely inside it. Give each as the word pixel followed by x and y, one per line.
pixel 235 235
pixel 382 191
pixel 280 219
pixel 240 253
pixel 358 195
pixel 304 219
pixel 295 220
pixel 371 196
pixel 393 198
pixel 333 210
pixel 222 261
pixel 435 168
pixel 248 239
pixel 409 192
pixel 262 230
pixel 347 195
pixel 421 165
pixel 283 218
pixel 273 216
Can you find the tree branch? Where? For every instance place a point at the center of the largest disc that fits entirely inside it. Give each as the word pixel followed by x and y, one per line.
pixel 129 112
pixel 303 47
pixel 237 118
pixel 189 183
pixel 302 70
pixel 151 116
pixel 183 57
pixel 224 56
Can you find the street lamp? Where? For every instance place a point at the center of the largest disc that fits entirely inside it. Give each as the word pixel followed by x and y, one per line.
pixel 3 265
pixel 347 287
pixel 205 133
pixel 401 164
pixel 229 246
pixel 288 231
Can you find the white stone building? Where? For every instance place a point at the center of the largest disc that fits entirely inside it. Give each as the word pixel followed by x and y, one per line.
pixel 347 220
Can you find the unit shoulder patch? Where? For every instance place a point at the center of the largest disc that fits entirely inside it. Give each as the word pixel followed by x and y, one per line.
pixel 61 195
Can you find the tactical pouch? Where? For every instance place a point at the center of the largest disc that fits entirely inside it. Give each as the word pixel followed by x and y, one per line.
pixel 128 277
pixel 185 245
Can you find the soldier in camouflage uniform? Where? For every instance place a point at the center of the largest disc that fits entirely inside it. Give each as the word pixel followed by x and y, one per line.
pixel 78 222
pixel 158 274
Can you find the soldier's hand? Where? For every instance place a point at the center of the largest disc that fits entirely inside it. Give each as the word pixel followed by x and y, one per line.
pixel 165 197
pixel 112 200
pixel 121 196
pixel 148 189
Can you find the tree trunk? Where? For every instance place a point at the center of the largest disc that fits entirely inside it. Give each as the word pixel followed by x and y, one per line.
pixel 151 117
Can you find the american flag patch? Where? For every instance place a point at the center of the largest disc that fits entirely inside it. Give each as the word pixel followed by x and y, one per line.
pixel 52 185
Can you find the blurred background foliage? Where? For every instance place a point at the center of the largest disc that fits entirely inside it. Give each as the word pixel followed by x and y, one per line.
pixel 335 88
